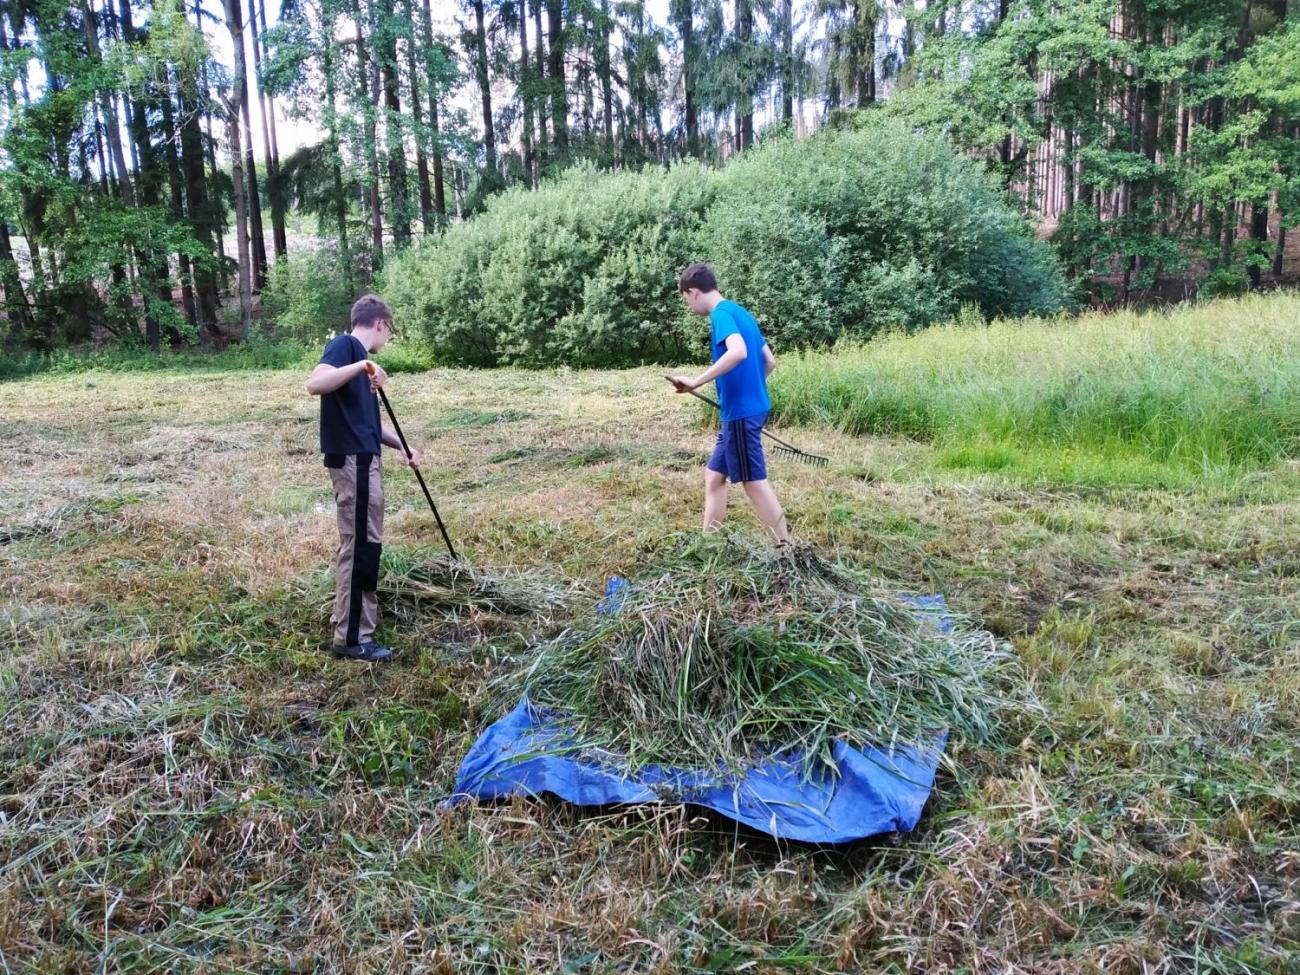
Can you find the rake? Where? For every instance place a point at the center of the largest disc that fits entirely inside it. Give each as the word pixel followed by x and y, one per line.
pixel 397 428
pixel 783 447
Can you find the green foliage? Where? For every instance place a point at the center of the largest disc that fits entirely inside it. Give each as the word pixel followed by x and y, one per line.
pixel 1061 78
pixel 406 355
pixel 306 297
pixel 869 229
pixel 254 355
pixel 582 271
pixel 841 234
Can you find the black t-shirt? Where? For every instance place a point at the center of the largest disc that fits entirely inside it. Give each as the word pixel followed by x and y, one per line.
pixel 349 416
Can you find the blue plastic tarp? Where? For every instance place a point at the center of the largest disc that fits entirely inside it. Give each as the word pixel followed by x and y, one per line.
pixel 531 751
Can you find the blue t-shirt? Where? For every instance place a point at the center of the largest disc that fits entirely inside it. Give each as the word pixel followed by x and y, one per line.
pixel 742 392
pixel 349 416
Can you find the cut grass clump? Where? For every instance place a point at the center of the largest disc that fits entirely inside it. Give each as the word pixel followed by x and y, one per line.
pixel 415 582
pixel 729 649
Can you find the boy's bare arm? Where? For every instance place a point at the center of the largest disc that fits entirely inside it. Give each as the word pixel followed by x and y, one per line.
pixel 390 439
pixel 769 360
pixel 736 353
pixel 326 378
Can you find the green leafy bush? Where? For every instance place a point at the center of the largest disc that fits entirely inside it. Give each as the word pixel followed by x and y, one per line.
pixel 582 271
pixel 258 354
pixel 306 297
pixel 842 234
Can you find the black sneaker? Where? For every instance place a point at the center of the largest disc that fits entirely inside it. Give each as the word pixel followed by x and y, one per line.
pixel 370 652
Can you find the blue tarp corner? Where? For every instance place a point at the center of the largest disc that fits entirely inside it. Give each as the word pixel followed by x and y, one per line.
pixel 530 752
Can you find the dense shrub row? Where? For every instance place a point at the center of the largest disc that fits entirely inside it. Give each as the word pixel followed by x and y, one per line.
pixel 841 234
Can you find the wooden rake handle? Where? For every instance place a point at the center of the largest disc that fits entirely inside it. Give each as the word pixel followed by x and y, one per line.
pixel 716 406
pixel 397 428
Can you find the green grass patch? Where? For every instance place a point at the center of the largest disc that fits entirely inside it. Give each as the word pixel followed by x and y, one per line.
pixel 1121 398
pixel 464 417
pixel 1120 467
pixel 254 355
pixel 258 354
pixel 589 457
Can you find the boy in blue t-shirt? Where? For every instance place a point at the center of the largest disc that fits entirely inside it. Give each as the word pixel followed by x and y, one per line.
pixel 742 361
pixel 351 438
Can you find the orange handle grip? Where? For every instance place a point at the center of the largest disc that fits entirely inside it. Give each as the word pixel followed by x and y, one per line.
pixel 370 367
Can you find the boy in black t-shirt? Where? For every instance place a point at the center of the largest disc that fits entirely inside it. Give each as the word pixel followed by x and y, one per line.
pixel 350 438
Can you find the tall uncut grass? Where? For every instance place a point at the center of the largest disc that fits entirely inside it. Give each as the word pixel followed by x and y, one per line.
pixel 1210 386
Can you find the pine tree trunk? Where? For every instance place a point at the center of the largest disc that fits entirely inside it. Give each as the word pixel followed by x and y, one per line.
pixel 149 177
pixel 588 96
pixel 208 145
pixel 787 61
pixel 202 220
pixel 16 307
pixel 368 90
pixel 176 183
pixel 234 125
pixel 638 81
pixel 603 70
pixel 865 16
pixel 584 78
pixel 113 131
pixel 235 25
pixel 485 89
pixel 559 92
pixel 100 160
pixel 745 99
pixel 526 96
pixel 278 235
pixel 270 102
pixel 684 16
pixel 126 192
pixel 336 162
pixel 1259 237
pixel 417 117
pixel 543 86
pixel 241 221
pixel 439 184
pixel 394 142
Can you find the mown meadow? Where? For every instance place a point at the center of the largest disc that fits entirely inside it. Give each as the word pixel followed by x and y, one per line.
pixel 188 782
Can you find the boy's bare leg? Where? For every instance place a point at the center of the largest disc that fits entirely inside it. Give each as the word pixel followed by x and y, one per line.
pixel 768 508
pixel 715 500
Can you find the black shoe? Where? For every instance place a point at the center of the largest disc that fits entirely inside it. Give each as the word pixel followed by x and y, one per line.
pixel 370 652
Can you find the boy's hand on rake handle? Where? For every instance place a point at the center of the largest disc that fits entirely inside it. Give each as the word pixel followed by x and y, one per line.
pixel 684 385
pixel 791 449
pixel 377 375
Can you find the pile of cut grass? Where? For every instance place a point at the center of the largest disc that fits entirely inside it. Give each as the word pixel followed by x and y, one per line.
pixel 416 581
pixel 729 649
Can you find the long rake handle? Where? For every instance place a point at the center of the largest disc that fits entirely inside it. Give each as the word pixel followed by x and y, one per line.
pixel 763 431
pixel 397 428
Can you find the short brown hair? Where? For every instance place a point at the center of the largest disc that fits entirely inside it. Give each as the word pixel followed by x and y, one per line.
pixel 699 276
pixel 367 309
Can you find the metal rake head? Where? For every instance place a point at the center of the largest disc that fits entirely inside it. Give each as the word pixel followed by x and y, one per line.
pixel 793 453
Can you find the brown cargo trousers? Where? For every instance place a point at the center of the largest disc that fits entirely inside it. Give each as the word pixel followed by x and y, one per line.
pixel 359 501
